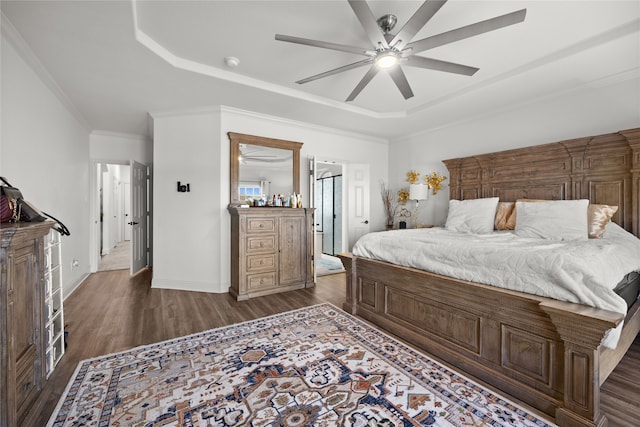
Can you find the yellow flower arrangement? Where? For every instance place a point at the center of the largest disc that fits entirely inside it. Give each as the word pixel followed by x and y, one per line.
pixel 403 196
pixel 412 176
pixel 435 181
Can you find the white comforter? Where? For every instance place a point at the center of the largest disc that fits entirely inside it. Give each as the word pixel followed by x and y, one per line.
pixel 584 272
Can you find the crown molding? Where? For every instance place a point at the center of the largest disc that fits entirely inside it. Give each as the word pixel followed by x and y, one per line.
pixel 212 109
pixel 303 125
pixel 13 36
pixel 599 83
pixel 221 109
pixel 121 135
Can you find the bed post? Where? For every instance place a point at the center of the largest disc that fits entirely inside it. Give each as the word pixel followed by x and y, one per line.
pixel 633 138
pixel 581 335
pixel 350 291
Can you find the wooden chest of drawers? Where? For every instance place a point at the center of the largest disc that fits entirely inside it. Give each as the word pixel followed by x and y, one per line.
pixel 271 250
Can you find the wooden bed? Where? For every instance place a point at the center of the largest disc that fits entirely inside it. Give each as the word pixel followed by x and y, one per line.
pixel 542 351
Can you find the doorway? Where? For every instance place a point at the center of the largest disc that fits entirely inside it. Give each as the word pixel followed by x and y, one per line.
pixel 120 215
pixel 329 217
pixel 114 190
pixel 329 207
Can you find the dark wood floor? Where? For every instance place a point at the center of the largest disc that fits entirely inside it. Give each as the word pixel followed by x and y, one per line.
pixel 112 311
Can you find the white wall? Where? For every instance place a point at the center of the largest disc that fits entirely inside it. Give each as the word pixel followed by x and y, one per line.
pixel 192 238
pixel 584 112
pixel 45 152
pixel 109 147
pixel 187 225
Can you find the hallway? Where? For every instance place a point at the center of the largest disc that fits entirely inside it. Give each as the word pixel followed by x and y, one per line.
pixel 119 258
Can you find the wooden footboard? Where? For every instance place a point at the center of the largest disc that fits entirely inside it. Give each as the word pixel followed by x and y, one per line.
pixel 543 352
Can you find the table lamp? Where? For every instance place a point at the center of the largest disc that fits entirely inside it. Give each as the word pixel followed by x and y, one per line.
pixel 418 192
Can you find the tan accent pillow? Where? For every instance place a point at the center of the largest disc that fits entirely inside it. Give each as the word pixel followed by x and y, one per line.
pixel 503 213
pixel 598 216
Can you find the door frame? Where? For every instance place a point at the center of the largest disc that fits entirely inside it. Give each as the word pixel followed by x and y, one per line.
pixel 345 223
pixel 94 210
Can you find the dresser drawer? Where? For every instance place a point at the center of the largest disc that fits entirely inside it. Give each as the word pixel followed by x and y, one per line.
pixel 261 225
pixel 261 281
pixel 26 380
pixel 257 244
pixel 265 262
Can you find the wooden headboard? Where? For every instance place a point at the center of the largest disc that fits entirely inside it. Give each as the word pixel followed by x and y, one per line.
pixel 604 169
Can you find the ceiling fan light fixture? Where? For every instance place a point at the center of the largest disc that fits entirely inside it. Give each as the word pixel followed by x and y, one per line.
pixel 386 60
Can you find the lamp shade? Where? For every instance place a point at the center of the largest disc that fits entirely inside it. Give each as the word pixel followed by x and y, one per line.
pixel 418 192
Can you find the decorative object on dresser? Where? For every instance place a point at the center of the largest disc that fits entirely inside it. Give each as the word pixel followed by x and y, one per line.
pixel 22 321
pixel 316 366
pixel 546 352
pixel 271 250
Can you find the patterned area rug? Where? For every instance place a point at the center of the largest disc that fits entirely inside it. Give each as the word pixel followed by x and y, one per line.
pixel 316 366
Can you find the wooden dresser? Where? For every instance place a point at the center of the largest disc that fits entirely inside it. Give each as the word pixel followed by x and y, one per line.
pixel 271 250
pixel 22 340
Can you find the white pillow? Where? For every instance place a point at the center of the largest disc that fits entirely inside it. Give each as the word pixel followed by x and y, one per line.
pixel 472 215
pixel 554 220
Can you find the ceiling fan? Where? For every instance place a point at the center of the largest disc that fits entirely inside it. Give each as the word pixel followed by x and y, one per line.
pixel 390 50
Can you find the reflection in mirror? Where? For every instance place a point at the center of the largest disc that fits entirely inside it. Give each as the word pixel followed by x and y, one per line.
pixel 262 167
pixel 264 171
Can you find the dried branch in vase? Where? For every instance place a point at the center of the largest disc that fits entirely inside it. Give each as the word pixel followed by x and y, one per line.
pixel 389 203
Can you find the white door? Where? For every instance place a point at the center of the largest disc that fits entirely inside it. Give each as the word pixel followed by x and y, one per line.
pixel 127 210
pixel 312 204
pixel 358 201
pixel 138 217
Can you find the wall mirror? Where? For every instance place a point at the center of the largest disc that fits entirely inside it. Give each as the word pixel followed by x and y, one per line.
pixel 262 166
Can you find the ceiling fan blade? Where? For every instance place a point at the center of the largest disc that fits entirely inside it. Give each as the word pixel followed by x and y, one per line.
pixel 336 71
pixel 326 45
pixel 436 64
pixel 468 31
pixel 416 22
pixel 398 77
pixel 368 22
pixel 365 81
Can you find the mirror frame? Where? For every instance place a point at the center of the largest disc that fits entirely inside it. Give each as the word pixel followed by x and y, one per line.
pixel 236 139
